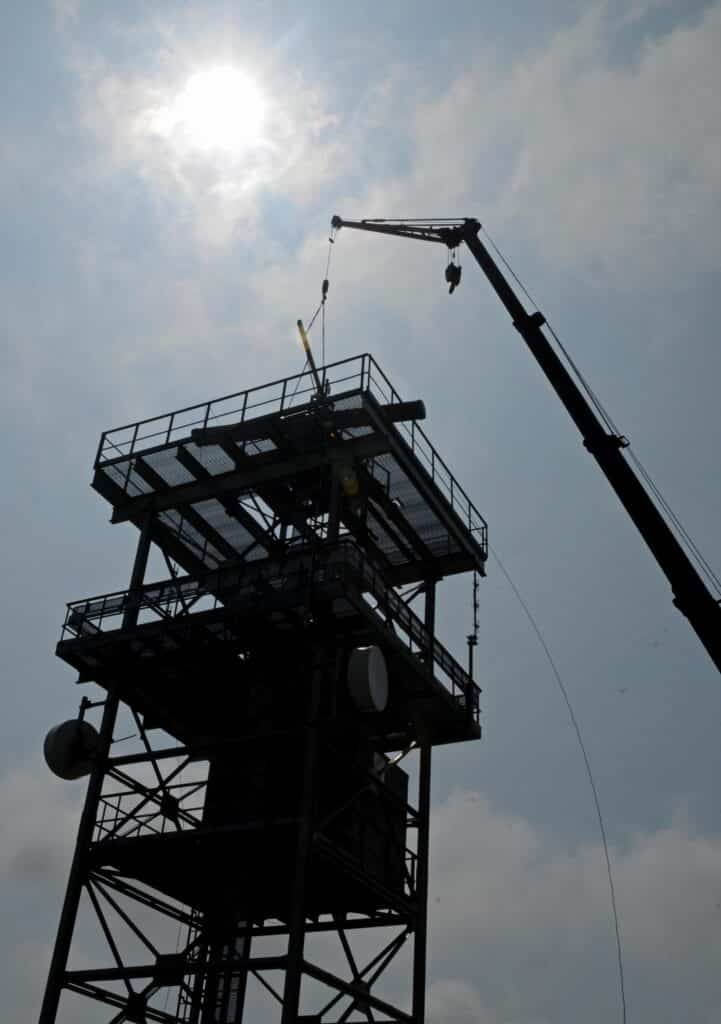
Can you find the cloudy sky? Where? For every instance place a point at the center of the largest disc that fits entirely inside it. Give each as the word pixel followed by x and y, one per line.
pixel 147 263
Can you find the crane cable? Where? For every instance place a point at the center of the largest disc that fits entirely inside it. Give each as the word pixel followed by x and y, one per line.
pixel 579 736
pixel 691 546
pixel 323 295
pixel 321 309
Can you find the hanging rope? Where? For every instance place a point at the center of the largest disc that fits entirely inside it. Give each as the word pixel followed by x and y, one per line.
pixel 579 736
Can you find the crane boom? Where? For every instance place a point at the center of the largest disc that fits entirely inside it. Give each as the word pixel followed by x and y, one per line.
pixel 690 594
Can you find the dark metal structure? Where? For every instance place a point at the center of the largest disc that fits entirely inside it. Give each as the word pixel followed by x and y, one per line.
pixel 260 850
pixel 690 594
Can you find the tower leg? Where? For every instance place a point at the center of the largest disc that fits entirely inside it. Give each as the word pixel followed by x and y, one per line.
pixel 69 913
pixel 221 999
pixel 420 936
pixel 296 937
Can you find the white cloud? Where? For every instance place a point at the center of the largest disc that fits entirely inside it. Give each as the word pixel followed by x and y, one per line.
pixel 602 162
pixel 455 1001
pixel 66 12
pixel 620 164
pixel 520 927
pixel 38 817
pixel 38 821
pixel 637 10
pixel 608 167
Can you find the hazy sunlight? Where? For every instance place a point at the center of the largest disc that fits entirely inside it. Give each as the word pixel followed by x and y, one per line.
pixel 221 108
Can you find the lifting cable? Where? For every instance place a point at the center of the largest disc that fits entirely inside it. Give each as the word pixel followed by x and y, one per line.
pixel 682 533
pixel 323 296
pixel 579 736
pixel 321 309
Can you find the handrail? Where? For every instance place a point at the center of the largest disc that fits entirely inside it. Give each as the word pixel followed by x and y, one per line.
pixel 119 445
pixel 343 561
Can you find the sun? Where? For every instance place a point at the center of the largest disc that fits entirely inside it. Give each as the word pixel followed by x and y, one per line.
pixel 221 108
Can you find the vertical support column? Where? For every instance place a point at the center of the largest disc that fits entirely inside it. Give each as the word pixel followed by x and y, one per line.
pixel 420 936
pixel 76 878
pixel 334 504
pixel 242 950
pixel 472 641
pixel 196 1002
pixel 296 932
pixel 430 617
pixel 211 990
pixel 220 996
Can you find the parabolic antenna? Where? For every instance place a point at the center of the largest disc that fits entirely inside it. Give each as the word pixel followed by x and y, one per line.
pixel 368 679
pixel 69 748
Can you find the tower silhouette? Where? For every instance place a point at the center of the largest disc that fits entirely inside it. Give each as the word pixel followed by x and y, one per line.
pixel 258 847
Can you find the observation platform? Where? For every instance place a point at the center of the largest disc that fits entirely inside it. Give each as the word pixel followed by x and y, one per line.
pixel 249 477
pixel 281 503
pixel 197 637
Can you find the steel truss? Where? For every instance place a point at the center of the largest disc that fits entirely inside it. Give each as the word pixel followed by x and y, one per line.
pixel 163 959
pixel 254 853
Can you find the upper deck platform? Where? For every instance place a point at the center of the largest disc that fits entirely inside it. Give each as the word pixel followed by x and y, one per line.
pixel 274 469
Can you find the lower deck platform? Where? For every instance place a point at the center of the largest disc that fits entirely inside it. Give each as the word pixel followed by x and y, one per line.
pixel 216 869
pixel 185 670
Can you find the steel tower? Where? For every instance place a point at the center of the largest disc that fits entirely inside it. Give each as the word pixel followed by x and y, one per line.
pixel 257 848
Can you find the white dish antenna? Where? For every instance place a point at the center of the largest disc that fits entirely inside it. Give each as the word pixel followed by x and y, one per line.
pixel 368 679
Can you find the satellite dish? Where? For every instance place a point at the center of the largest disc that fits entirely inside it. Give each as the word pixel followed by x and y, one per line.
pixel 70 747
pixel 368 679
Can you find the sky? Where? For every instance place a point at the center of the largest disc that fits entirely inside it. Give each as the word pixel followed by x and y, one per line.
pixel 143 268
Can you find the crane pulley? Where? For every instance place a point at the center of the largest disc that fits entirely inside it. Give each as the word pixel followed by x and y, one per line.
pixel 453 273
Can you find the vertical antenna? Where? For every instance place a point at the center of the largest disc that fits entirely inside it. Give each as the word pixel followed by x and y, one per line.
pixel 472 638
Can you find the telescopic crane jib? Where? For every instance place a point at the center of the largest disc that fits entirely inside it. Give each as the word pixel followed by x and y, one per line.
pixel 690 594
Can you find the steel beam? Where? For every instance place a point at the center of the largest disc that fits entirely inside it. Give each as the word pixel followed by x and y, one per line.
pixel 339 419
pixel 296 931
pixel 231 506
pixel 261 470
pixel 420 936
pixel 193 518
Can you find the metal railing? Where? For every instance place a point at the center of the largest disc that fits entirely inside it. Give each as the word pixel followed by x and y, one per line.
pixel 129 811
pixel 343 563
pixel 267 399
pixel 345 378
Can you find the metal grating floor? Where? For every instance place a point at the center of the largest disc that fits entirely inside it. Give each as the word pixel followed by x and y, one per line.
pixel 267 492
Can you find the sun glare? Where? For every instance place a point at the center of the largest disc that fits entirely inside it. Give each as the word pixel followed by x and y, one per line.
pixel 221 108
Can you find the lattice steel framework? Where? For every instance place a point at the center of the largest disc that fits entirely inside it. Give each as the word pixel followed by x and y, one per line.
pixel 256 848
